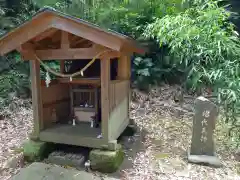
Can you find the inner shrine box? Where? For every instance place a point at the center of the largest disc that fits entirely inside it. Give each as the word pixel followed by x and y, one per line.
pixel 65 108
pixel 84 102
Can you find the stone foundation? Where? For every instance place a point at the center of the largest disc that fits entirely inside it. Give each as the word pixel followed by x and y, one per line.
pixel 106 161
pixel 36 150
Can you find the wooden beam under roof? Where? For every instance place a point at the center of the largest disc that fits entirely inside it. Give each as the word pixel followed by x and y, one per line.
pixel 63 54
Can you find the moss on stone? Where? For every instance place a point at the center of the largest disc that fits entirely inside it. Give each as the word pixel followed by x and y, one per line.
pixel 36 150
pixel 106 161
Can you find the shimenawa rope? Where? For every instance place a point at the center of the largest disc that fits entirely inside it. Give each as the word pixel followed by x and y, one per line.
pixel 48 69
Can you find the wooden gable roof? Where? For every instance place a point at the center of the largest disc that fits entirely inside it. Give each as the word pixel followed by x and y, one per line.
pixel 48 19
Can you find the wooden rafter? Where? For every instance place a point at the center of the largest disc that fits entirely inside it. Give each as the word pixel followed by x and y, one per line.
pixel 91 34
pixel 46 34
pixel 79 41
pixel 44 46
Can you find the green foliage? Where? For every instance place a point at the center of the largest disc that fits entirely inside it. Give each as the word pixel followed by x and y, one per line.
pixel 125 16
pixel 5 22
pixel 141 71
pixel 14 80
pixel 190 41
pixel 206 45
pixel 129 17
pixel 14 73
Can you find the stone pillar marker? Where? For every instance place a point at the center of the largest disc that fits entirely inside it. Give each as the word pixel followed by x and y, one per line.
pixel 202 149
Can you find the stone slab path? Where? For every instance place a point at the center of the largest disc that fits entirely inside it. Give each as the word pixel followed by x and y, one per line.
pixel 42 171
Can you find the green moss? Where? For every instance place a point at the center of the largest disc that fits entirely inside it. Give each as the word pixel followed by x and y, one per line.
pixel 17 150
pixel 238 169
pixel 36 150
pixel 106 161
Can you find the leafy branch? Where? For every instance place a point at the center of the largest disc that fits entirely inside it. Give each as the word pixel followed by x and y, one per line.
pixel 203 39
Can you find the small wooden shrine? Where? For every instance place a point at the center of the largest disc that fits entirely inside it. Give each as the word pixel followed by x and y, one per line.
pixel 88 103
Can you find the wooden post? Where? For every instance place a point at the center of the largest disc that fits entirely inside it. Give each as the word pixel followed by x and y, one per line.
pixel 62 66
pixel 105 79
pixel 124 68
pixel 124 73
pixel 65 44
pixel 36 98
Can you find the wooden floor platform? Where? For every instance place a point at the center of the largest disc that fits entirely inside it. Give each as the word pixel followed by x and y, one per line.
pixel 80 135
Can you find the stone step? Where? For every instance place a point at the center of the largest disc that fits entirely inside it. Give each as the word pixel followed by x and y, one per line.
pixel 40 171
pixel 65 159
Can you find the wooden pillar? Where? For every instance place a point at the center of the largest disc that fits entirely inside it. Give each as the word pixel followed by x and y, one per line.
pixel 105 80
pixel 65 44
pixel 124 67
pixel 124 73
pixel 62 66
pixel 36 97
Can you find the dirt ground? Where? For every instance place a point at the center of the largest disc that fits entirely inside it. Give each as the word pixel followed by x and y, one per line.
pixel 157 151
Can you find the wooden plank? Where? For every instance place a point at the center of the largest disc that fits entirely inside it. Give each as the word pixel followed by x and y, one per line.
pixel 118 120
pixel 55 112
pixel 65 40
pixel 65 44
pixel 21 35
pixel 49 104
pixel 124 67
pixel 128 84
pixel 45 34
pixel 56 96
pixel 119 106
pixel 94 82
pixel 105 80
pixel 84 90
pixel 95 35
pixel 85 109
pixel 124 72
pixel 112 96
pixel 54 93
pixel 82 40
pixel 117 81
pixel 96 98
pixel 118 92
pixel 36 98
pixel 80 135
pixel 84 116
pixel 62 66
pixel 129 47
pixel 72 102
pixel 46 20
pixel 63 54
pixel 53 82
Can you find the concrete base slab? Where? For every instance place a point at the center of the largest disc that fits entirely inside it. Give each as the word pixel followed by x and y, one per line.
pixel 40 171
pixel 205 160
